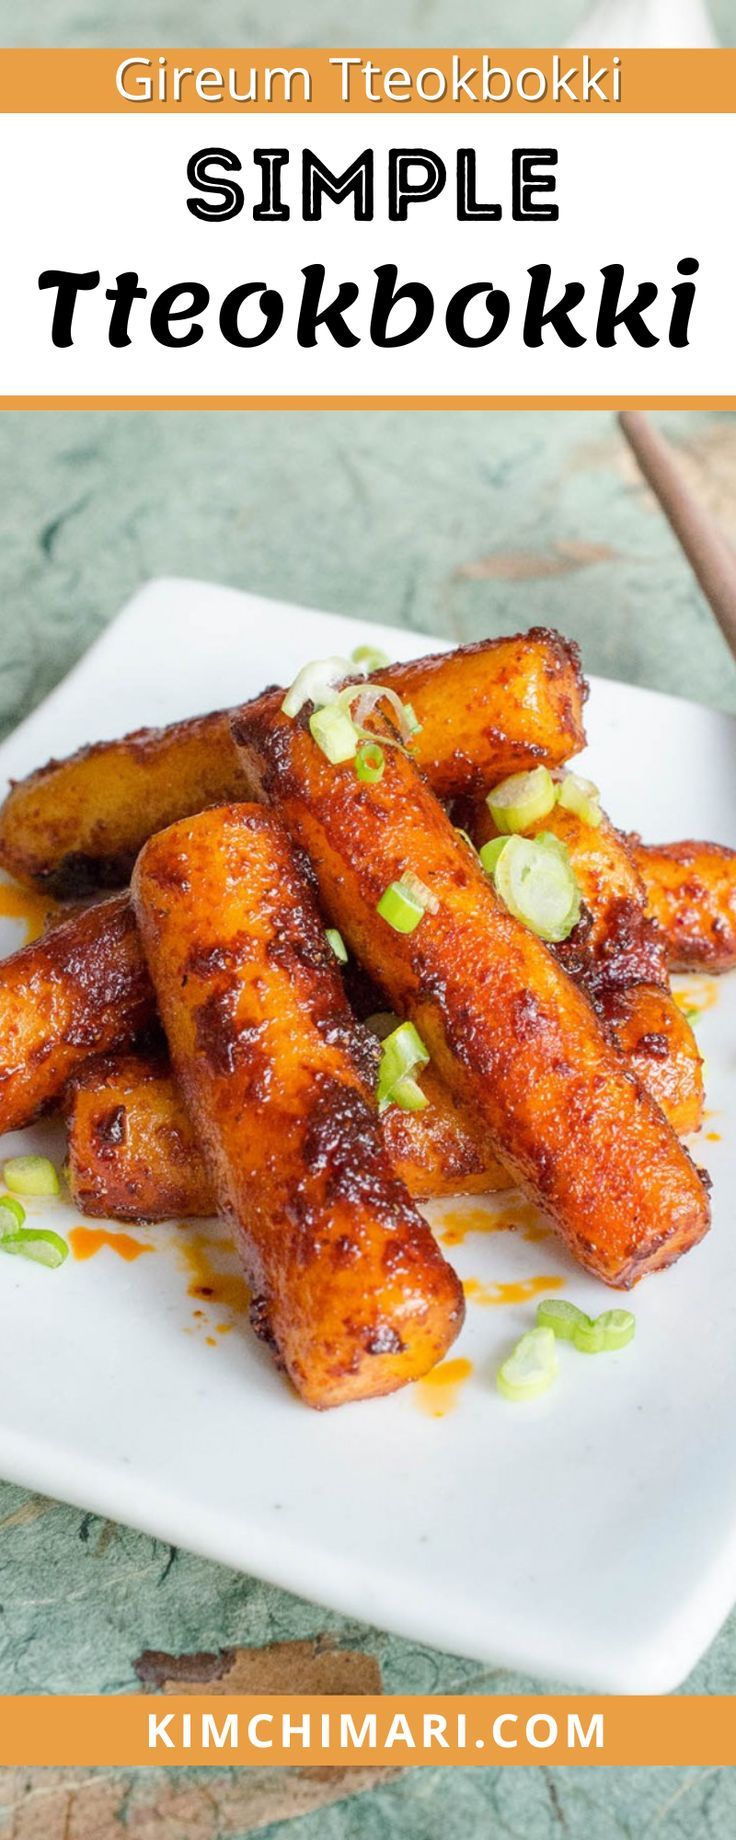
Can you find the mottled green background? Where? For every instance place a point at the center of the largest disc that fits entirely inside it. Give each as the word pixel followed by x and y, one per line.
pixel 462 524
pixel 304 22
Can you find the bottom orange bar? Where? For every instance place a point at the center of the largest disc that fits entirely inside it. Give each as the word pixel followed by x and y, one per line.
pixel 136 1729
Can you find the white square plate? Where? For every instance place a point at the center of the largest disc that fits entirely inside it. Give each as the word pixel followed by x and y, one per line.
pixel 589 1537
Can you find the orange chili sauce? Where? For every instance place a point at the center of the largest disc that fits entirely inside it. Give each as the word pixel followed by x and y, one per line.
pixel 520 1292
pixel 700 995
pixel 18 903
pixel 207 1277
pixel 516 1214
pixel 85 1242
pixel 438 1393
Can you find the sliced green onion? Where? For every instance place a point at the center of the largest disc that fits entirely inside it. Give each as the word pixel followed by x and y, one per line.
pixel 408 1095
pixel 420 892
pixel 31 1175
pixel 549 841
pixel 490 852
pixel 522 800
pixel 370 762
pixel 538 887
pixel 564 1319
pixel 315 683
pixel 40 1245
pixel 366 697
pixel 337 942
pixel 530 1368
pixel 589 1337
pixel 400 908
pixel 16 1215
pixel 619 1328
pixel 614 1329
pixel 466 839
pixel 334 733
pixel 582 797
pixel 403 1050
pixel 370 657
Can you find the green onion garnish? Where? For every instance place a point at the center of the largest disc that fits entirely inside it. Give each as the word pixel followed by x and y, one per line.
pixel 408 1095
pixel 370 657
pixel 366 697
pixel 31 1175
pixel 581 797
pixel 490 852
pixel 591 1334
pixel 403 1050
pixel 370 762
pixel 562 1318
pixel 334 734
pixel 405 903
pixel 15 1215
pixel 466 838
pixel 614 1329
pixel 414 886
pixel 530 1368
pixel 41 1246
pixel 549 841
pixel 588 1338
pixel 520 802
pixel 315 683
pixel 337 942
pixel 619 1328
pixel 399 909
pixel 538 887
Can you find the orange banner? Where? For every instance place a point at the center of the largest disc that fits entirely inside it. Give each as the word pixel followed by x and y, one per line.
pixel 280 1730
pixel 430 81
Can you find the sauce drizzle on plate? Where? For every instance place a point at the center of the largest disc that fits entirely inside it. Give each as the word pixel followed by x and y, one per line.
pixel 519 1292
pixel 438 1393
pixel 34 910
pixel 85 1242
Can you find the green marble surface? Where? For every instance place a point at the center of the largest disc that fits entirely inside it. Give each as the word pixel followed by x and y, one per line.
pixel 461 524
pixel 305 22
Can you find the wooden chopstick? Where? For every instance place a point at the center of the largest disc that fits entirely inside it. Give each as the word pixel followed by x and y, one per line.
pixel 711 558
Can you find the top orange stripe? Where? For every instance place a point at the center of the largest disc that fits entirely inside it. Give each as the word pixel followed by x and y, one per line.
pixel 84 82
